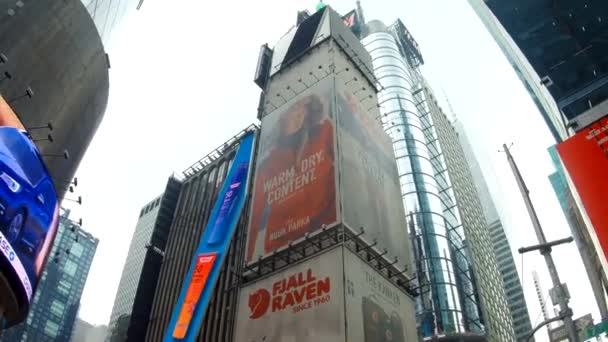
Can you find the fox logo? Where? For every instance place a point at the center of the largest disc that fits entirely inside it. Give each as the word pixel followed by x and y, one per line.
pixel 259 301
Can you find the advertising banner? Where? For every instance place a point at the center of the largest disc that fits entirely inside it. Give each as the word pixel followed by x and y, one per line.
pixel 295 182
pixel 204 271
pixel 302 304
pixel 585 157
pixel 370 189
pixel 28 207
pixel 376 311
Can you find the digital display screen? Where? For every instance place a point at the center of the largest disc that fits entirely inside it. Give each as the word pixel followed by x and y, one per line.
pixel 198 286
pixel 219 229
pixel 28 207
pixel 203 266
pixel 585 156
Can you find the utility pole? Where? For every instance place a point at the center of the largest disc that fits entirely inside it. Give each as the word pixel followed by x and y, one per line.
pixel 545 250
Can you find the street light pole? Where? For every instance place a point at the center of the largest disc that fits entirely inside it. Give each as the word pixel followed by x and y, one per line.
pixel 545 250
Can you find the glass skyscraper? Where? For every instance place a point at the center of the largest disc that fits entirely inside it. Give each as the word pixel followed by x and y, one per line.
pixel 530 79
pixel 443 307
pixel 490 289
pixel 451 246
pixel 57 298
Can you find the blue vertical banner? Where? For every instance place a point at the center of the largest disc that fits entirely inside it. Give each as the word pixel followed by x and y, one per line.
pixel 208 259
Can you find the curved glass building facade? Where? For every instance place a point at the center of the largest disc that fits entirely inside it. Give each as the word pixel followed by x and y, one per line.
pixel 447 303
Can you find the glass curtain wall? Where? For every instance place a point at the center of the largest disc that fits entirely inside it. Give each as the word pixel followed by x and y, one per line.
pixel 446 304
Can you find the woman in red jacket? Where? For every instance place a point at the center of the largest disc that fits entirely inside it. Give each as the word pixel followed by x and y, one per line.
pixel 295 180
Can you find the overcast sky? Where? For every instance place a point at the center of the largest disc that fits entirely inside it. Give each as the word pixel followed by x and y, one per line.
pixel 181 84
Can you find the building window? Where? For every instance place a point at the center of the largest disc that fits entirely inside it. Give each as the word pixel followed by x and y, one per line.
pixel 51 328
pixel 57 308
pixel 70 267
pixel 77 250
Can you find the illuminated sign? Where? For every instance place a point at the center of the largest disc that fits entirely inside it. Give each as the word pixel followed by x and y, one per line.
pixel 9 253
pixel 204 271
pixel 28 208
pixel 585 156
pixel 219 229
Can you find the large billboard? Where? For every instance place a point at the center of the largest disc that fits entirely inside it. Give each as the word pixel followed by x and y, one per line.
pixel 376 311
pixel 205 267
pixel 304 303
pixel 28 211
pixel 295 181
pixel 585 156
pixel 370 189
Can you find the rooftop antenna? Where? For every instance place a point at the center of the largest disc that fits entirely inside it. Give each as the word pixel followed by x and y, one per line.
pixel 320 5
pixel 453 118
pixel 360 12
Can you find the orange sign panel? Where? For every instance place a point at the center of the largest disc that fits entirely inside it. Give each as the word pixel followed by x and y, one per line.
pixel 8 116
pixel 585 156
pixel 203 266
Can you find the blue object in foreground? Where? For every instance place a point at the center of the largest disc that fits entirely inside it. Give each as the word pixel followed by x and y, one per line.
pixel 27 204
pixel 204 270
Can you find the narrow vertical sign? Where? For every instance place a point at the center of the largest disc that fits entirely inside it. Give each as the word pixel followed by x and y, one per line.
pixel 204 270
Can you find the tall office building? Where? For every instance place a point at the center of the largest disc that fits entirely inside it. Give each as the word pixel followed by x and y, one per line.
pixel 556 44
pixel 86 332
pixel 490 287
pixel 500 244
pixel 558 41
pixel 57 299
pixel 310 244
pixel 512 283
pixel 574 217
pixel 201 184
pixel 448 243
pixel 542 301
pixel 526 73
pixel 131 311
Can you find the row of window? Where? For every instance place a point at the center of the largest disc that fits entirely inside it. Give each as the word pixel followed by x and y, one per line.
pixel 472 213
pixel 149 207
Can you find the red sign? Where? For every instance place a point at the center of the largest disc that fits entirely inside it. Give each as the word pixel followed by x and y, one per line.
pixel 203 266
pixel 585 156
pixel 299 291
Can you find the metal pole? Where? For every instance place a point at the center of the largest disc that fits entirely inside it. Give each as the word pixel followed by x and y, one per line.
pixel 547 322
pixel 565 311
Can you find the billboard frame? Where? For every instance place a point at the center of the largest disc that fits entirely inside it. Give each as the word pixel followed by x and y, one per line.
pixel 281 112
pixel 337 249
pixel 350 244
pixel 322 242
